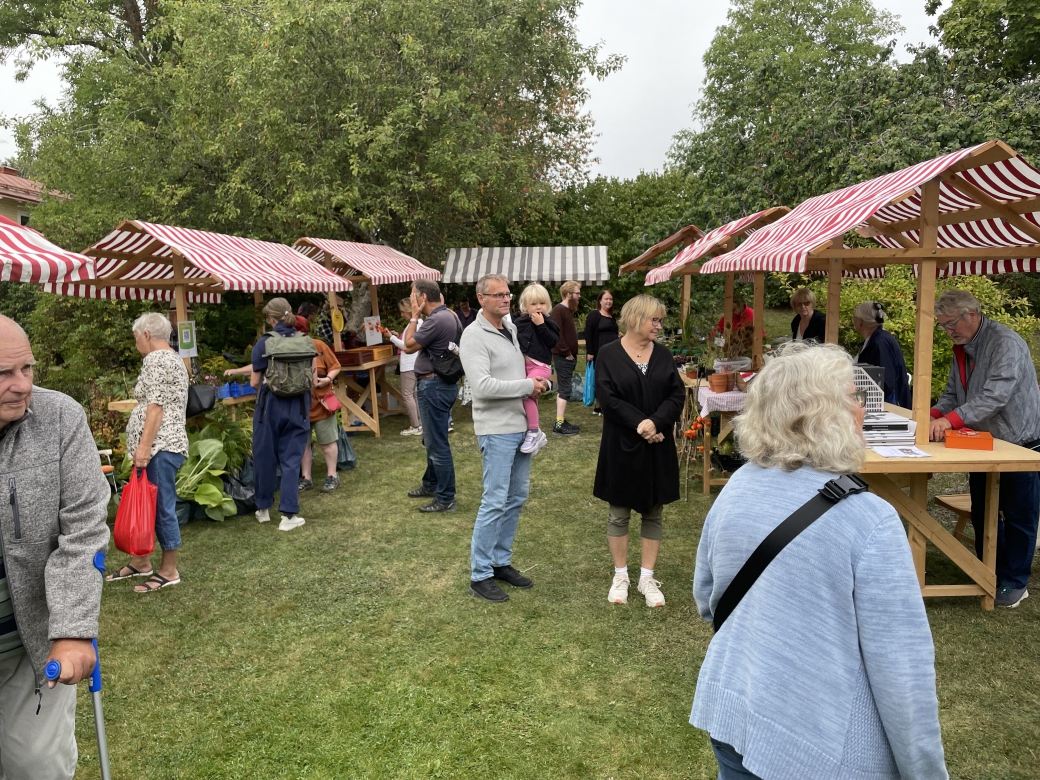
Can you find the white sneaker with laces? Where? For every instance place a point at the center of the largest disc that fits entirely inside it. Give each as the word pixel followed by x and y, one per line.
pixel 542 441
pixel 416 431
pixel 263 515
pixel 619 590
pixel 530 443
pixel 289 523
pixel 651 589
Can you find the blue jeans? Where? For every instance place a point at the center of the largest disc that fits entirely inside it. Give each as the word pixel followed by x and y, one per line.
pixel 507 479
pixel 162 472
pixel 281 430
pixel 435 398
pixel 731 763
pixel 1016 533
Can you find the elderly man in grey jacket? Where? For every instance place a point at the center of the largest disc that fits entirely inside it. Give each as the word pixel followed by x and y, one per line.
pixel 52 526
pixel 992 387
pixel 495 369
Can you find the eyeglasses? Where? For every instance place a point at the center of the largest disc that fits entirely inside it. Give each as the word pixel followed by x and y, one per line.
pixel 949 327
pixel 859 398
pixel 656 321
pixel 498 296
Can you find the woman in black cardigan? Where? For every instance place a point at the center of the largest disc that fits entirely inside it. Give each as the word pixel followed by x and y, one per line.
pixel 808 324
pixel 600 329
pixel 642 397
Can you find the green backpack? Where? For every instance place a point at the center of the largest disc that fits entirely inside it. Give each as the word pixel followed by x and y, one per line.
pixel 290 366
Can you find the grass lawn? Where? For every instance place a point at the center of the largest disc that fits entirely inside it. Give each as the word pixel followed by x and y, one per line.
pixel 350 648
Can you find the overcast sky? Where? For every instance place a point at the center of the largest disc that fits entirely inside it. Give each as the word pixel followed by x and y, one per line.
pixel 637 110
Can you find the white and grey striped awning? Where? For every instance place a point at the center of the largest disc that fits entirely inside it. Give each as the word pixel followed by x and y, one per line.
pixel 554 264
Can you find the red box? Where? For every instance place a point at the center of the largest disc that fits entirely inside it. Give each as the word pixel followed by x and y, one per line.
pixel 967 439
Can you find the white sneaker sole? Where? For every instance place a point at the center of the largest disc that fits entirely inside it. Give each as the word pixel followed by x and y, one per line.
pixel 289 525
pixel 1025 595
pixel 617 597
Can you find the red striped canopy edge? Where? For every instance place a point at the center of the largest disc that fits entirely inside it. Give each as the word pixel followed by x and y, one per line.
pixel 138 261
pixel 26 256
pixel 377 263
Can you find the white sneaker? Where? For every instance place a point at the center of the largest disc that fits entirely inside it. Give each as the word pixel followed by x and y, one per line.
pixel 416 431
pixel 263 515
pixel 618 590
pixel 651 588
pixel 542 441
pixel 530 443
pixel 289 523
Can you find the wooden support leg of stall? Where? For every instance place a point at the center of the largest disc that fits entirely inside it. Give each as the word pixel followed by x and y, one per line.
pixel 760 303
pixel 925 326
pixel 373 295
pixel 989 534
pixel 833 302
pixel 258 302
pixel 180 297
pixel 685 300
pixel 918 542
pixel 727 314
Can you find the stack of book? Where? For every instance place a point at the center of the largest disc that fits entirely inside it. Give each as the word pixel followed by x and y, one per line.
pixel 885 429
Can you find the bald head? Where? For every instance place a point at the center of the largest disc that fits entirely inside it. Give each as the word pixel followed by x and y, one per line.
pixel 16 371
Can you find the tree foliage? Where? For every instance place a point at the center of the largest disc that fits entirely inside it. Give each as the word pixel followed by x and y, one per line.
pixel 1000 36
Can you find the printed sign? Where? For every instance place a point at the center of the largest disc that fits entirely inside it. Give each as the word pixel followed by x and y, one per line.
pixel 373 336
pixel 186 339
pixel 337 321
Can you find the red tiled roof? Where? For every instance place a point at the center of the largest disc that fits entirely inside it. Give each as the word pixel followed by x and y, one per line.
pixel 15 187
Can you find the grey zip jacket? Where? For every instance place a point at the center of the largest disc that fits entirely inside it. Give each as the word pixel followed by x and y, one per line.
pixel 1002 395
pixel 497 375
pixel 53 520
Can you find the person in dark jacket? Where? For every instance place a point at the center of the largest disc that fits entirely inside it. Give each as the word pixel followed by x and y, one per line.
pixel 880 348
pixel 565 353
pixel 808 324
pixel 467 316
pixel 536 335
pixel 600 329
pixel 642 398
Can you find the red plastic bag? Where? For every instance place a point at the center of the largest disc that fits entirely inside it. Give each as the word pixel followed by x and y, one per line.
pixel 135 518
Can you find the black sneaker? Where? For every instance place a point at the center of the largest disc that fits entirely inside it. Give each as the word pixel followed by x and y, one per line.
pixel 488 590
pixel 437 506
pixel 598 412
pixel 512 577
pixel 305 484
pixel 1010 597
pixel 331 483
pixel 421 492
pixel 565 429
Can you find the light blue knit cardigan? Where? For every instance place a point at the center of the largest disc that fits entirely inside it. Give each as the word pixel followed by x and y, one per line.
pixel 826 669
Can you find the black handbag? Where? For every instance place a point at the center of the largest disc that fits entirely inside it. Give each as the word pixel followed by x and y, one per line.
pixel 448 366
pixel 804 516
pixel 201 398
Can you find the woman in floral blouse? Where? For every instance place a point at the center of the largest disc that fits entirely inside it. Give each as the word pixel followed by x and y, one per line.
pixel 158 442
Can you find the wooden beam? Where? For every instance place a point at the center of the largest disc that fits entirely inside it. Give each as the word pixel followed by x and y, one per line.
pixel 925 323
pixel 687 235
pixel 1007 214
pixel 760 305
pixel 989 532
pixel 685 301
pixel 987 154
pixel 895 256
pixel 886 230
pixel 727 316
pixel 1023 206
pixel 180 297
pixel 373 296
pixel 833 302
pixel 132 256
pixel 258 303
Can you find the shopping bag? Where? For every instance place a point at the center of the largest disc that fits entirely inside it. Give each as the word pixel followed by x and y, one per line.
pixel 346 459
pixel 577 389
pixel 135 520
pixel 590 384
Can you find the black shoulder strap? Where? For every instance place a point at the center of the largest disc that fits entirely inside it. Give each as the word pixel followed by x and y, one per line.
pixel 804 516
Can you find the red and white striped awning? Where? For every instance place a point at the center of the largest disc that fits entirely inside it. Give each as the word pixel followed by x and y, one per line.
pixel 704 245
pixel 137 262
pixel 892 203
pixel 380 264
pixel 26 256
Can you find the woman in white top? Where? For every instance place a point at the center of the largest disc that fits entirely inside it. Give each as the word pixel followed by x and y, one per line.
pixel 407 363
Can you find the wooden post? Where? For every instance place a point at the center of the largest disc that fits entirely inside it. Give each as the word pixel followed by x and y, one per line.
pixel 760 303
pixel 833 301
pixel 727 314
pixel 180 297
pixel 337 340
pixel 258 304
pixel 373 295
pixel 989 534
pixel 918 541
pixel 685 301
pixel 925 326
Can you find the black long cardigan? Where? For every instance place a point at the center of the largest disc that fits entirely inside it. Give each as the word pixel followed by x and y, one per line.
pixel 816 329
pixel 630 472
pixel 599 331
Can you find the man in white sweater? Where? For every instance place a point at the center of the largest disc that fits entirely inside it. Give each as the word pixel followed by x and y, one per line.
pixel 497 376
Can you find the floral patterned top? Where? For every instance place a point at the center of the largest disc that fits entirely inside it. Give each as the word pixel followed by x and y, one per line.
pixel 163 381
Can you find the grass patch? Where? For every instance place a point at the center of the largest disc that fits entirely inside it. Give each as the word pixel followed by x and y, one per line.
pixel 350 648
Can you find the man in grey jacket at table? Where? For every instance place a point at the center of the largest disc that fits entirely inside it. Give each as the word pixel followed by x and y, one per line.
pixel 992 387
pixel 52 526
pixel 497 376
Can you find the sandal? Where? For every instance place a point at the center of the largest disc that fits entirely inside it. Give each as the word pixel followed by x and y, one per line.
pixel 156 582
pixel 133 573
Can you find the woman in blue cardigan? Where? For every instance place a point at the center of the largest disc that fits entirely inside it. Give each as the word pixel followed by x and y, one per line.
pixel 880 348
pixel 826 668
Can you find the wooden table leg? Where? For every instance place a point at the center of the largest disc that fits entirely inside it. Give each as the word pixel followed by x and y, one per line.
pixel 918 541
pixel 707 458
pixel 989 535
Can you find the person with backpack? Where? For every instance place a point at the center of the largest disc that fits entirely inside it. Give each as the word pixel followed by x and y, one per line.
pixel 284 366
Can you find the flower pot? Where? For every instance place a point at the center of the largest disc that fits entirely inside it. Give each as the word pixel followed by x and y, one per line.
pixel 721 383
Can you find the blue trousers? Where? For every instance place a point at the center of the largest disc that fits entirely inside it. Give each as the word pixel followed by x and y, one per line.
pixel 162 472
pixel 731 763
pixel 281 430
pixel 435 398
pixel 1016 533
pixel 507 480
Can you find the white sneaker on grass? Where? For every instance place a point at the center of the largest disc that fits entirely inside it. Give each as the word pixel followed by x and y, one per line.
pixel 530 443
pixel 651 588
pixel 416 431
pixel 540 444
pixel 263 515
pixel 289 523
pixel 619 590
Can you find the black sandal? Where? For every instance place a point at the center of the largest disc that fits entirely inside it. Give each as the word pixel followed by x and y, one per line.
pixel 160 581
pixel 133 573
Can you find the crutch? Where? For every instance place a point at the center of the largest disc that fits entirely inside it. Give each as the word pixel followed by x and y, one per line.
pixel 53 672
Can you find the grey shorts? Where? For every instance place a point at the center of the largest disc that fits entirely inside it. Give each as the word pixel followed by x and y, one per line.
pixel 327 430
pixel 564 372
pixel 650 528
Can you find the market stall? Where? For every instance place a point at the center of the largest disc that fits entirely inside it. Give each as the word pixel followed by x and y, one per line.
pixel 547 264
pixel 26 256
pixel 974 211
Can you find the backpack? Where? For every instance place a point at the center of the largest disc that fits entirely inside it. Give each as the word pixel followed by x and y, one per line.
pixel 290 367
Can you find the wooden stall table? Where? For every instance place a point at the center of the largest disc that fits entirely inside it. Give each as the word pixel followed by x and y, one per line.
pixel 377 393
pixel 885 475
pixel 728 405
pixel 130 404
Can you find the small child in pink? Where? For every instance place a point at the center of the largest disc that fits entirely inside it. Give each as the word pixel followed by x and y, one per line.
pixel 536 336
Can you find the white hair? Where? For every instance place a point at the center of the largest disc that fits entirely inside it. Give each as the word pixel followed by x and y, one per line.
pixel 953 303
pixel 154 324
pixel 798 412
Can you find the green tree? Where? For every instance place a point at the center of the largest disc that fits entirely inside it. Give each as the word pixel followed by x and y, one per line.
pixel 1001 36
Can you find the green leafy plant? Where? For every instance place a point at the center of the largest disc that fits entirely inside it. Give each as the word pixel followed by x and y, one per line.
pixel 199 478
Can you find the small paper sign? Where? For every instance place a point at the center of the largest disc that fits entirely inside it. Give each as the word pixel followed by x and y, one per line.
pixel 186 339
pixel 373 336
